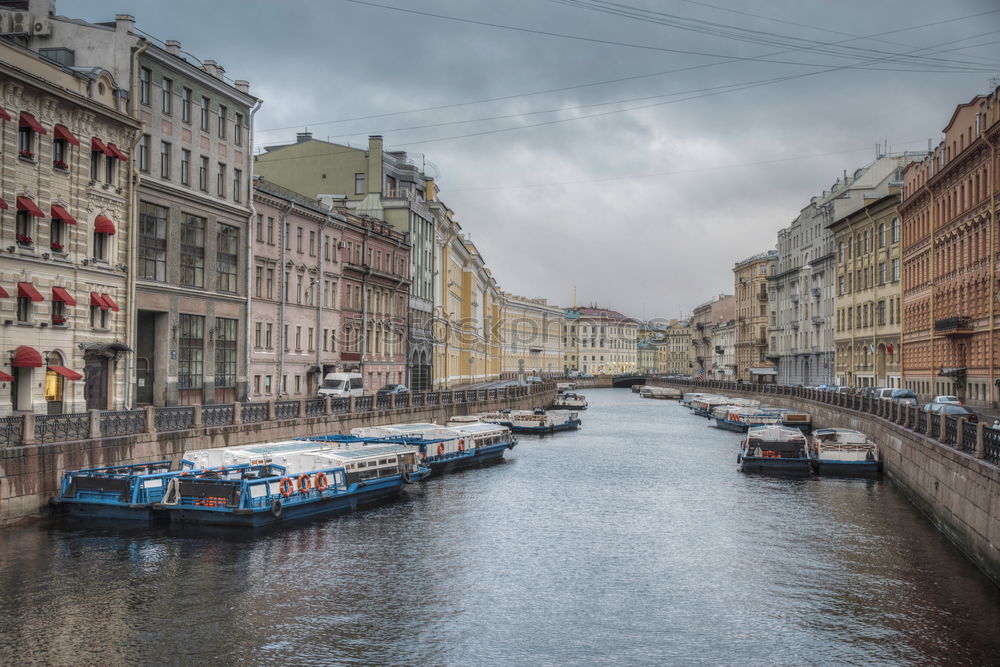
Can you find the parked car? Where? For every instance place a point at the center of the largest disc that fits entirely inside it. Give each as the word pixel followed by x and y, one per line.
pixel 393 389
pixel 342 384
pixel 903 396
pixel 950 400
pixel 952 410
pixel 532 379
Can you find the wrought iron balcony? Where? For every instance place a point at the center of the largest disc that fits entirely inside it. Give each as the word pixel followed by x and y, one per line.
pixel 794 324
pixel 954 326
pixel 817 292
pixel 817 321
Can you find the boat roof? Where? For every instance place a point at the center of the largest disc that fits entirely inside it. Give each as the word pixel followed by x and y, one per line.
pixel 374 451
pixel 268 447
pixel 476 427
pixel 409 427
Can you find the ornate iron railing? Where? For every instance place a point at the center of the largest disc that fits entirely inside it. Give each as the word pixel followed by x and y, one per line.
pixel 433 398
pixel 363 404
pixel 338 406
pixel 419 399
pixel 122 422
pixel 53 428
pixel 991 445
pixel 935 427
pixel 217 415
pixel 950 430
pixel 10 429
pixel 383 402
pixel 251 413
pixel 315 407
pixel 286 410
pixel 399 401
pixel 173 418
pixel 969 437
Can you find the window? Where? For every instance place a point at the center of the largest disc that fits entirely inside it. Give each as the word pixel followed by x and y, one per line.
pixel 222 121
pixel 285 337
pixel 259 230
pixel 267 384
pixel 152 242
pixel 225 353
pixel 190 351
pixel 298 338
pixel 895 270
pixel 143 154
pixel 26 142
pixel 312 243
pixel 102 245
pixel 221 181
pixel 186 105
pixel 309 339
pixel 288 236
pixel 98 317
pixel 284 287
pixel 145 76
pixel 60 154
pixel 165 160
pixel 359 183
pixel 270 230
pixel 298 239
pixel 203 174
pixel 226 254
pixel 167 88
pixel 206 105
pixel 24 229
pixel 238 129
pixel 269 331
pixel 269 283
pixel 111 171
pixel 23 309
pixel 881 235
pixel 193 251
pixel 237 183
pixel 258 291
pixel 895 230
pixel 256 384
pixel 56 230
pixel 185 167
pixel 881 273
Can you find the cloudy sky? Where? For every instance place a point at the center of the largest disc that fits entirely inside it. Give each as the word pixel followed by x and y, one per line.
pixel 634 149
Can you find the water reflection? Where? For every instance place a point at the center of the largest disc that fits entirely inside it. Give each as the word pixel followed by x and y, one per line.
pixel 632 541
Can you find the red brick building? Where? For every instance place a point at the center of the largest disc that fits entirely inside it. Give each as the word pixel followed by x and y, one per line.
pixel 949 251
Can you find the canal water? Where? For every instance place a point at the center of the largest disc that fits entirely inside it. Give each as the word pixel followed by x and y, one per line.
pixel 632 541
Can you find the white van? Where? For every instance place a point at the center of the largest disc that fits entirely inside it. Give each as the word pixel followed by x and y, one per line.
pixel 342 384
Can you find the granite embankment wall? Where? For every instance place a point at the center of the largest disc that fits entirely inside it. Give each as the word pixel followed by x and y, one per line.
pixel 30 473
pixel 946 467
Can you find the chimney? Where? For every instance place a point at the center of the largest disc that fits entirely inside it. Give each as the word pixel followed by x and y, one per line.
pixel 173 47
pixel 242 85
pixel 302 137
pixel 41 9
pixel 374 178
pixel 213 68
pixel 124 23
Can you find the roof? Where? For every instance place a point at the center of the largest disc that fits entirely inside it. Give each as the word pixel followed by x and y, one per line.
pixel 367 452
pixel 605 313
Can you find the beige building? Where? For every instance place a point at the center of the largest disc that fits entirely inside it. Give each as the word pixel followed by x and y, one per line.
pixel 724 350
pixel 600 341
pixel 705 318
pixel 752 317
pixel 65 223
pixel 532 336
pixel 674 354
pixel 868 294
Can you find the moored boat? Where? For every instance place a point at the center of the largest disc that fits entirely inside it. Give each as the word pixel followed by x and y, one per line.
pixel 775 449
pixel 569 401
pixel 844 451
pixel 797 419
pixel 741 418
pixel 536 421
pixel 130 492
pixel 665 393
pixel 335 480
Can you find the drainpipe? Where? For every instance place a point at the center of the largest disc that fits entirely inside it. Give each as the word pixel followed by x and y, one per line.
pixel 993 267
pixel 249 254
pixel 285 240
pixel 132 313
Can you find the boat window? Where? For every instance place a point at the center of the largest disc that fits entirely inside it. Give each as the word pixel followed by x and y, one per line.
pixel 383 462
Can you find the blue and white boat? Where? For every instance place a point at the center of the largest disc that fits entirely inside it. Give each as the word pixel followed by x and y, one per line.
pixel 740 419
pixel 569 400
pixel 130 492
pixel 775 449
pixel 844 451
pixel 537 421
pixel 334 481
pixel 283 452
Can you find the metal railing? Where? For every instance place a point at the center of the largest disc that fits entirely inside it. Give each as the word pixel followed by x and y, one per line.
pixel 115 423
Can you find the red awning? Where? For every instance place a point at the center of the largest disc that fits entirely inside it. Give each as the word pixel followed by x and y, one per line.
pixel 59 213
pixel 97 146
pixel 97 300
pixel 28 291
pixel 26 357
pixel 65 372
pixel 3 376
pixel 103 225
pixel 4 114
pixel 3 205
pixel 3 293
pixel 27 120
pixel 118 154
pixel 62 132
pixel 111 302
pixel 25 204
pixel 59 294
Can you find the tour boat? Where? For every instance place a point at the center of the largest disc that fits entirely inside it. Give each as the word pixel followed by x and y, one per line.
pixel 284 453
pixel 665 393
pixel 565 386
pixel 536 421
pixel 335 480
pixel 775 449
pixel 690 397
pixel 129 492
pixel 741 418
pixel 415 430
pixel 570 400
pixel 844 451
pixel 797 419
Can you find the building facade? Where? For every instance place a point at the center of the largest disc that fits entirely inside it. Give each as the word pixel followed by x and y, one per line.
pixel 65 207
pixel 674 354
pixel 750 290
pixel 724 350
pixel 949 251
pixel 868 294
pixel 600 341
pixel 532 336
pixel 385 185
pixel 704 319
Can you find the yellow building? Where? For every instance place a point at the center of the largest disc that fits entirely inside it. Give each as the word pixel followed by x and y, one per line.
pixel 532 336
pixel 600 341
pixel 751 317
pixel 674 353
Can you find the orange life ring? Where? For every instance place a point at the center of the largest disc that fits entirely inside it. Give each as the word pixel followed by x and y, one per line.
pixel 321 482
pixel 285 486
pixel 461 444
pixel 440 449
pixel 304 484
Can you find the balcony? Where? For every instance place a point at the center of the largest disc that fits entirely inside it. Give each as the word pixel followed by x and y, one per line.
pixel 794 296
pixel 817 321
pixel 954 326
pixel 719 349
pixel 817 292
pixel 794 324
pixel 773 356
pixel 762 296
